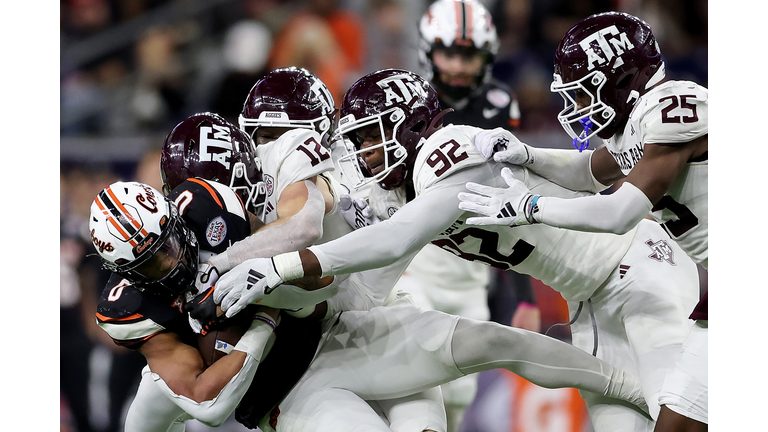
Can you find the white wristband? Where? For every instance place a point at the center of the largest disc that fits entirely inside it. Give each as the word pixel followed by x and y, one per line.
pixel 288 266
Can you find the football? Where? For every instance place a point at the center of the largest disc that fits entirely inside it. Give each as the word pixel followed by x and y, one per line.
pixel 219 342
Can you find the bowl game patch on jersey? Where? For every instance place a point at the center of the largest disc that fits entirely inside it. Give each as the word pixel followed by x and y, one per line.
pixel 216 231
pixel 498 98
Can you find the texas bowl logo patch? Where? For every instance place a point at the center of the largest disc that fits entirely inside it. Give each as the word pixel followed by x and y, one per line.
pixel 498 98
pixel 270 182
pixel 216 231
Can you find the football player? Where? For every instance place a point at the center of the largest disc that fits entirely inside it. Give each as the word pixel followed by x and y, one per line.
pixel 289 113
pixel 142 238
pixel 394 120
pixel 610 73
pixel 458 44
pixel 142 307
pixel 369 367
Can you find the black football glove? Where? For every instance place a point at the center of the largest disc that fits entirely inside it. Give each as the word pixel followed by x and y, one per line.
pixel 202 310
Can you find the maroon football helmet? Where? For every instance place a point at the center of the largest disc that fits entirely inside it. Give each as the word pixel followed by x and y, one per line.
pixel 612 58
pixel 289 97
pixel 207 146
pixel 394 99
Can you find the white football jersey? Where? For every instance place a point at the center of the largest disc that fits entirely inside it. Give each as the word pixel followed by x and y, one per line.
pixel 295 156
pixel 672 113
pixel 571 262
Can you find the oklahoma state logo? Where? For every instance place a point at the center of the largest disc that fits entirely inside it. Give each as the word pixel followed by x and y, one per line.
pixel 605 44
pixel 100 244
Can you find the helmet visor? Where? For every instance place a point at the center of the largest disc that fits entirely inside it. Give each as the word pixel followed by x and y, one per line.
pixel 163 261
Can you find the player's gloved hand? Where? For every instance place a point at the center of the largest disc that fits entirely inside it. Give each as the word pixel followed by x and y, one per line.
pixel 356 212
pixel 503 146
pixel 512 206
pixel 203 312
pixel 207 275
pixel 245 284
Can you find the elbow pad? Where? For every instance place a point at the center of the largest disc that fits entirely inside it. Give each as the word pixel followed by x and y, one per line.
pixel 616 213
pixel 300 231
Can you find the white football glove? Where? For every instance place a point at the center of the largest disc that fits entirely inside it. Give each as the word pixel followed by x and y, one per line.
pixel 503 146
pixel 511 206
pixel 206 277
pixel 356 212
pixel 245 284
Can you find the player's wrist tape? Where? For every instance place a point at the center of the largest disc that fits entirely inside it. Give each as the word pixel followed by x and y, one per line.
pixel 255 339
pixel 531 208
pixel 288 266
pixel 531 155
pixel 263 316
pixel 526 305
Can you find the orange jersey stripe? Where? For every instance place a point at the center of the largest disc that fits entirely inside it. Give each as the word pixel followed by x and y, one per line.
pixel 209 189
pixel 108 319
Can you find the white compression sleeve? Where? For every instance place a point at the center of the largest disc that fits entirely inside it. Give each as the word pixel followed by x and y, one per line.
pixel 300 231
pixel 214 412
pixel 152 411
pixel 404 234
pixel 568 168
pixel 616 213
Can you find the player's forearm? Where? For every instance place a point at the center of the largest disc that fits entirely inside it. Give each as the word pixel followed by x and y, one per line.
pixel 568 168
pixel 299 231
pixel 403 235
pixel 616 213
pixel 219 389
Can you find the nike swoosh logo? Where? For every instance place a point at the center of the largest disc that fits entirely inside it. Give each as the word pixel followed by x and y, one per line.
pixel 488 113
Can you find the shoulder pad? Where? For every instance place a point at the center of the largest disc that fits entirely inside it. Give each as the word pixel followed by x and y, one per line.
pixel 213 212
pixel 675 112
pixel 447 151
pixel 297 155
pixel 120 314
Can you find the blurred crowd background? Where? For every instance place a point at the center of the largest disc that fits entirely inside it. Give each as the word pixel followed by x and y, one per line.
pixel 132 69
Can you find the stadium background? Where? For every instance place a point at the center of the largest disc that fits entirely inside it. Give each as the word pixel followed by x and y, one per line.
pixel 131 69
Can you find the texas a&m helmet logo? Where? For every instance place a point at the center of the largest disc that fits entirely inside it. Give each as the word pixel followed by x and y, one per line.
pixel 216 145
pixel 401 88
pixel 605 44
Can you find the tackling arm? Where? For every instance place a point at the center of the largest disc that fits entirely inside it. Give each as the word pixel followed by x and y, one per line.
pixel 301 209
pixel 618 212
pixel 384 243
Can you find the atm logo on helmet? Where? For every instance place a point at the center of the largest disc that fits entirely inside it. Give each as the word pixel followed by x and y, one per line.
pixel 215 138
pixel 400 88
pixel 605 44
